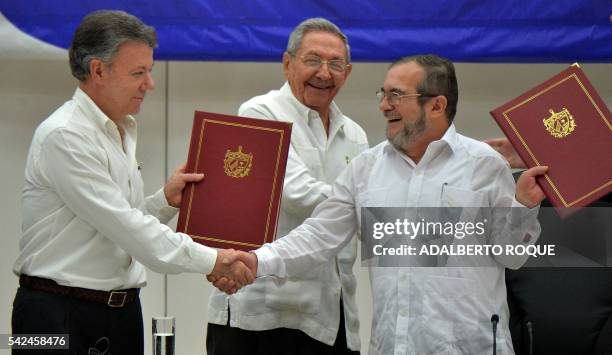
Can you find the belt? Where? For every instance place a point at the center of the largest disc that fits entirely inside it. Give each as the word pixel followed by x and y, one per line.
pixel 115 298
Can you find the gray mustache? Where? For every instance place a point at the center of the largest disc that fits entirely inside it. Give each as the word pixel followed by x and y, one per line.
pixel 392 115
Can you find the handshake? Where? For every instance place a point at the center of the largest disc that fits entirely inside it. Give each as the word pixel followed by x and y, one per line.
pixel 233 270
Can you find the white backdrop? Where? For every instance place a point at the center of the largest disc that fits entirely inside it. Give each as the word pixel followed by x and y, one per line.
pixel 31 89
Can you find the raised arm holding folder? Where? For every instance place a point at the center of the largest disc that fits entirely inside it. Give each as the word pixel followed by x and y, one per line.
pixel 564 124
pixel 243 160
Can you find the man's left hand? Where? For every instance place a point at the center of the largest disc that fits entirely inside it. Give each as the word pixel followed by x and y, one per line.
pixel 528 192
pixel 175 185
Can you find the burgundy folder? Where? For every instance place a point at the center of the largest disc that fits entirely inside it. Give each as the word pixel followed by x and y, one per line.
pixel 237 203
pixel 563 123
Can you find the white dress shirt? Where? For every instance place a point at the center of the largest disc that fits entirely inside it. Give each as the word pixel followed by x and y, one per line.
pixel 310 301
pixel 443 310
pixel 86 222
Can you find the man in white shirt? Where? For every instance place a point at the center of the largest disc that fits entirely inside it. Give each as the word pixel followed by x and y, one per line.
pixel 424 163
pixel 314 312
pixel 88 230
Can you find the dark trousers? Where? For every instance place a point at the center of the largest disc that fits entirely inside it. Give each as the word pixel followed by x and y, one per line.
pixel 94 328
pixel 226 340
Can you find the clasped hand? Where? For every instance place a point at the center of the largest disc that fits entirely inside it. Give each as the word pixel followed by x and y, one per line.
pixel 233 270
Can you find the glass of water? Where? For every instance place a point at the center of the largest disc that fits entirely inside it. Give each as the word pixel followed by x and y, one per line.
pixel 163 335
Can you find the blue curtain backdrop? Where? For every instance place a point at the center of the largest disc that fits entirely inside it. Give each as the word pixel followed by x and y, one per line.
pixel 561 31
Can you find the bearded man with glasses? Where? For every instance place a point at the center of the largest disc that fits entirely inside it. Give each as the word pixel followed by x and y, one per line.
pixel 425 162
pixel 315 312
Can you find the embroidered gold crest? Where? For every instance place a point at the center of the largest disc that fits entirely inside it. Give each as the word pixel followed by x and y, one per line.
pixel 237 164
pixel 559 124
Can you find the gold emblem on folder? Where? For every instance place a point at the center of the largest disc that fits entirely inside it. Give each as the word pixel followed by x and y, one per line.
pixel 559 124
pixel 237 164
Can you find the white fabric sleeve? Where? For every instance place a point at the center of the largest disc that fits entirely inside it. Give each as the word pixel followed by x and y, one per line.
pixel 332 225
pixel 157 205
pixel 75 168
pixel 514 224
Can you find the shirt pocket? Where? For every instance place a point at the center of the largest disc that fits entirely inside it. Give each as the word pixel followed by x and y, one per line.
pixel 458 197
pixel 303 296
pixel 310 157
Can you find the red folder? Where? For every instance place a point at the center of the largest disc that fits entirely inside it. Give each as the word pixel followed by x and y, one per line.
pixel 237 203
pixel 563 123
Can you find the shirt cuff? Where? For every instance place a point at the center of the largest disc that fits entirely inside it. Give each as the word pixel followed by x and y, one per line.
pixel 160 205
pixel 524 211
pixel 522 216
pixel 533 210
pixel 203 258
pixel 268 262
pixel 516 203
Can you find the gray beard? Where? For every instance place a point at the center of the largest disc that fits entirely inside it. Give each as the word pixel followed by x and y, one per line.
pixel 409 133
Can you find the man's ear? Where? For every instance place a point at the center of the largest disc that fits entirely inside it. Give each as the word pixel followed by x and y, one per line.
pixel 438 106
pixel 348 70
pixel 286 60
pixel 97 70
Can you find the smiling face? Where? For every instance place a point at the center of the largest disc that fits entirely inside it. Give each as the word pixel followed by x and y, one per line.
pixel 406 121
pixel 122 85
pixel 316 87
pixel 409 133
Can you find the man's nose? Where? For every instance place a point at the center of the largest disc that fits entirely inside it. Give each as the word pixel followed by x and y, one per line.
pixel 149 83
pixel 323 72
pixel 384 105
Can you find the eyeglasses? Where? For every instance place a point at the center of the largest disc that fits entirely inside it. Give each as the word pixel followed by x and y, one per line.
pixel 315 62
pixel 394 98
